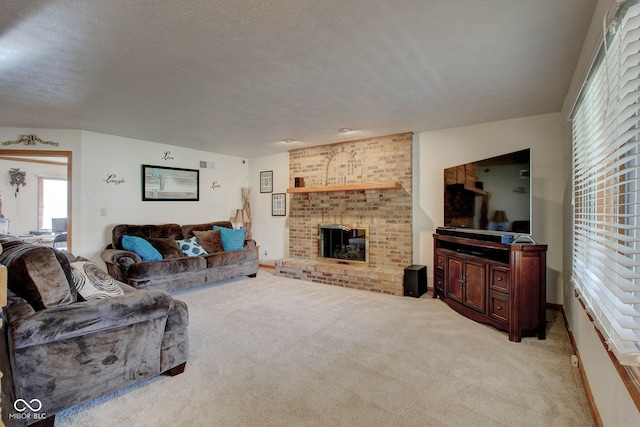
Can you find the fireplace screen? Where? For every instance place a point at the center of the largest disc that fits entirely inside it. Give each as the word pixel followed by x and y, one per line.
pixel 341 243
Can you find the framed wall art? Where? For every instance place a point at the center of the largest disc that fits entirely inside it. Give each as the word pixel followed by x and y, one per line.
pixel 266 181
pixel 279 204
pixel 165 183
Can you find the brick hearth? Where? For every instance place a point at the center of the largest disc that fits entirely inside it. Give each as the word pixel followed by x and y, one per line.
pixel 388 213
pixel 382 280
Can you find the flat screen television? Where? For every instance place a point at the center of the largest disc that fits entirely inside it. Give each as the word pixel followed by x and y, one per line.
pixel 492 194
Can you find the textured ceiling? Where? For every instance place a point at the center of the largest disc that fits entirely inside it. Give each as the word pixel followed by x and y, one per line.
pixel 239 77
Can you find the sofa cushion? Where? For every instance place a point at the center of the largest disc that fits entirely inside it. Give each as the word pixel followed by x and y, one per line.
pixel 210 240
pixel 142 247
pixel 168 248
pixel 226 258
pixel 232 240
pixel 93 282
pixel 191 247
pixel 166 267
pixel 35 274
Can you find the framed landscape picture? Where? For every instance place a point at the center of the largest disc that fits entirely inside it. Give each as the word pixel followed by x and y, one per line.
pixel 165 183
pixel 279 204
pixel 266 181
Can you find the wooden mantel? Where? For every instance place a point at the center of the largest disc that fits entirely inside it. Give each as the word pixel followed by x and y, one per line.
pixel 350 187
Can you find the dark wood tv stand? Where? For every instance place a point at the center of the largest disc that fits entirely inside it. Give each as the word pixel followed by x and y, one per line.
pixel 503 285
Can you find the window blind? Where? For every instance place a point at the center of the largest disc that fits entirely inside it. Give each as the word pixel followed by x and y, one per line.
pixel 40 203
pixel 606 190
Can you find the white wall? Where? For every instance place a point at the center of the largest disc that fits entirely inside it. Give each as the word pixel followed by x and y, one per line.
pixel 610 395
pixel 97 156
pixel 441 149
pixel 271 233
pixel 104 204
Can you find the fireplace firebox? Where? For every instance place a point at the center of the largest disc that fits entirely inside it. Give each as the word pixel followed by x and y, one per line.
pixel 344 244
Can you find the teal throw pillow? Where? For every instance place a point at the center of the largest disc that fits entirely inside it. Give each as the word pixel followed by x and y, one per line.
pixel 191 247
pixel 141 247
pixel 232 240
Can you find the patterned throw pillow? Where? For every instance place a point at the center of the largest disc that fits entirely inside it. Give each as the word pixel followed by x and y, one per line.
pixel 92 282
pixel 190 247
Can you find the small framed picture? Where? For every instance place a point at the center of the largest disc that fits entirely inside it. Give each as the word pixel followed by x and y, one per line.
pixel 279 204
pixel 266 181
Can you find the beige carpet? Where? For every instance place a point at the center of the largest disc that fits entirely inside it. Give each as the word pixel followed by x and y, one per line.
pixel 272 351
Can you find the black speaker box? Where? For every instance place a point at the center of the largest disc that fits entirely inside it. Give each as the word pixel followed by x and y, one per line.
pixel 415 280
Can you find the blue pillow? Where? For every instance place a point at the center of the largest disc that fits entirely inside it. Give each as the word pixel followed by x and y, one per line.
pixel 191 247
pixel 232 240
pixel 141 247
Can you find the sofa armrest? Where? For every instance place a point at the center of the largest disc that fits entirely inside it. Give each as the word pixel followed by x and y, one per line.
pixel 17 308
pixel 118 262
pixel 178 318
pixel 29 328
pixel 120 256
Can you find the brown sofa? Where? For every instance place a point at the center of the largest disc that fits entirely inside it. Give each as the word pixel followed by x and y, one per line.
pixel 174 273
pixel 59 350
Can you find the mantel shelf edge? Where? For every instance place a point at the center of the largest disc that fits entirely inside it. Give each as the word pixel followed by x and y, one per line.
pixel 350 187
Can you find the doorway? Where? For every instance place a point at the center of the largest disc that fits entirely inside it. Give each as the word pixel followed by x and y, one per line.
pixel 34 160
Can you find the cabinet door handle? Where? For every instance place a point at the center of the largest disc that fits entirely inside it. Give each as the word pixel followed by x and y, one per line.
pixel 499 279
pixel 462 281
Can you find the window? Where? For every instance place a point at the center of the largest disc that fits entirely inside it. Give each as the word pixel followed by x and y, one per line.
pixel 606 222
pixel 52 201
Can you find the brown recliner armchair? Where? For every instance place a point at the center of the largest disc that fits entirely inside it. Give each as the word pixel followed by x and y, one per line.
pixel 60 350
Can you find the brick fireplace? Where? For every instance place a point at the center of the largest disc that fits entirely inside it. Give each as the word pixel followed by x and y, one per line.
pixel 343 244
pixel 365 182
